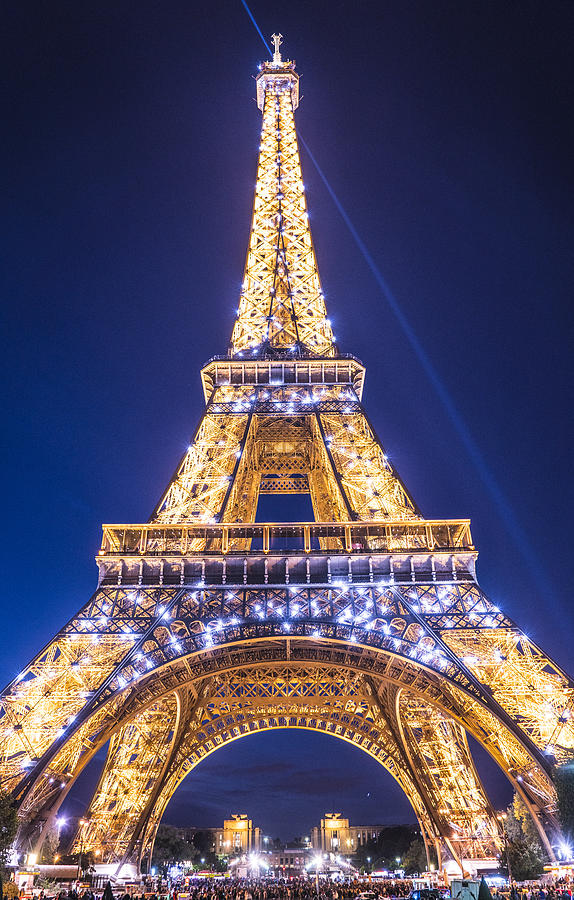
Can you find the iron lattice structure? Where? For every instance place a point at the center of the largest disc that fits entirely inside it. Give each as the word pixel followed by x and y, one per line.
pixel 367 624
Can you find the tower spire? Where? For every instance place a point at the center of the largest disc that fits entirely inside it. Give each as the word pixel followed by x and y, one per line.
pixel 281 308
pixel 277 41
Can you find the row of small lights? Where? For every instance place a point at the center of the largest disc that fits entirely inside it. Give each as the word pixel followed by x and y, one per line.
pixel 242 406
pixel 426 607
pixel 434 657
pixel 315 395
pixel 361 621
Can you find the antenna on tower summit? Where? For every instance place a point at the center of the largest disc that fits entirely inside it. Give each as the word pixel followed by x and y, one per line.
pixel 277 41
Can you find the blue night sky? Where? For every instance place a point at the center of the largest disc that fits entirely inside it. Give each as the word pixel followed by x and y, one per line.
pixel 128 166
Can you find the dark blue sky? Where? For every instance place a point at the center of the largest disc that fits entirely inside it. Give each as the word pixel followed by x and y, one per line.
pixel 128 166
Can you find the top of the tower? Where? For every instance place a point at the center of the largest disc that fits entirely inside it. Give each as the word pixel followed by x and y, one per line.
pixel 277 72
pixel 277 41
pixel 281 309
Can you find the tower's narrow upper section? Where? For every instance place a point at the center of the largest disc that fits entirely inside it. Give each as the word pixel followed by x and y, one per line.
pixel 281 309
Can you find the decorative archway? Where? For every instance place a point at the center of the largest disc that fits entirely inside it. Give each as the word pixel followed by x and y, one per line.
pixel 405 714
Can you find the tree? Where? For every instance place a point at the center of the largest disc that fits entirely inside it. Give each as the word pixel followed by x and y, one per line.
pixel 525 855
pixel 8 829
pixel 220 864
pixel 391 842
pixel 415 859
pixel 48 885
pixel 203 843
pixel 205 855
pixel 564 781
pixel 170 848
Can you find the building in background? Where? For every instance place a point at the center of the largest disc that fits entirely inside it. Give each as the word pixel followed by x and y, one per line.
pixel 237 836
pixel 336 835
pixel 289 862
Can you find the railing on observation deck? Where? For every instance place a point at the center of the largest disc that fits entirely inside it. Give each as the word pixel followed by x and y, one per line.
pixel 387 536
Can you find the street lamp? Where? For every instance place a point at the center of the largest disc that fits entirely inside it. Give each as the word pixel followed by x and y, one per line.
pixel 82 823
pixel 60 823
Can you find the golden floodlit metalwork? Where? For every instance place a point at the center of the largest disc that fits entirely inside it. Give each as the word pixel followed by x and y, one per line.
pixel 367 625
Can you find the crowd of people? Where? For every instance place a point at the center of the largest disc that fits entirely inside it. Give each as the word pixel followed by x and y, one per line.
pixel 295 889
pixel 303 889
pixel 256 889
pixel 560 891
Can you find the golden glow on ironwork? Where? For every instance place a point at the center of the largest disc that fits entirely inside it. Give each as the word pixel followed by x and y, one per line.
pixel 281 307
pixel 367 624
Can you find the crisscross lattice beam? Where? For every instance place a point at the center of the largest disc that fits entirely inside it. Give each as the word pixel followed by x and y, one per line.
pixel 281 308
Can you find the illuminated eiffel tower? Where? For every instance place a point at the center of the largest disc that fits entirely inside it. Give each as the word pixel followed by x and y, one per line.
pixel 367 624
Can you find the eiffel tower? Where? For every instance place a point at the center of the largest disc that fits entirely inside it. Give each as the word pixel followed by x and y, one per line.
pixel 366 624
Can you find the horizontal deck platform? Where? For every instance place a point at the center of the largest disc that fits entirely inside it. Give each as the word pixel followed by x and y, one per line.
pixel 343 369
pixel 386 536
pixel 282 570
pixel 283 554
